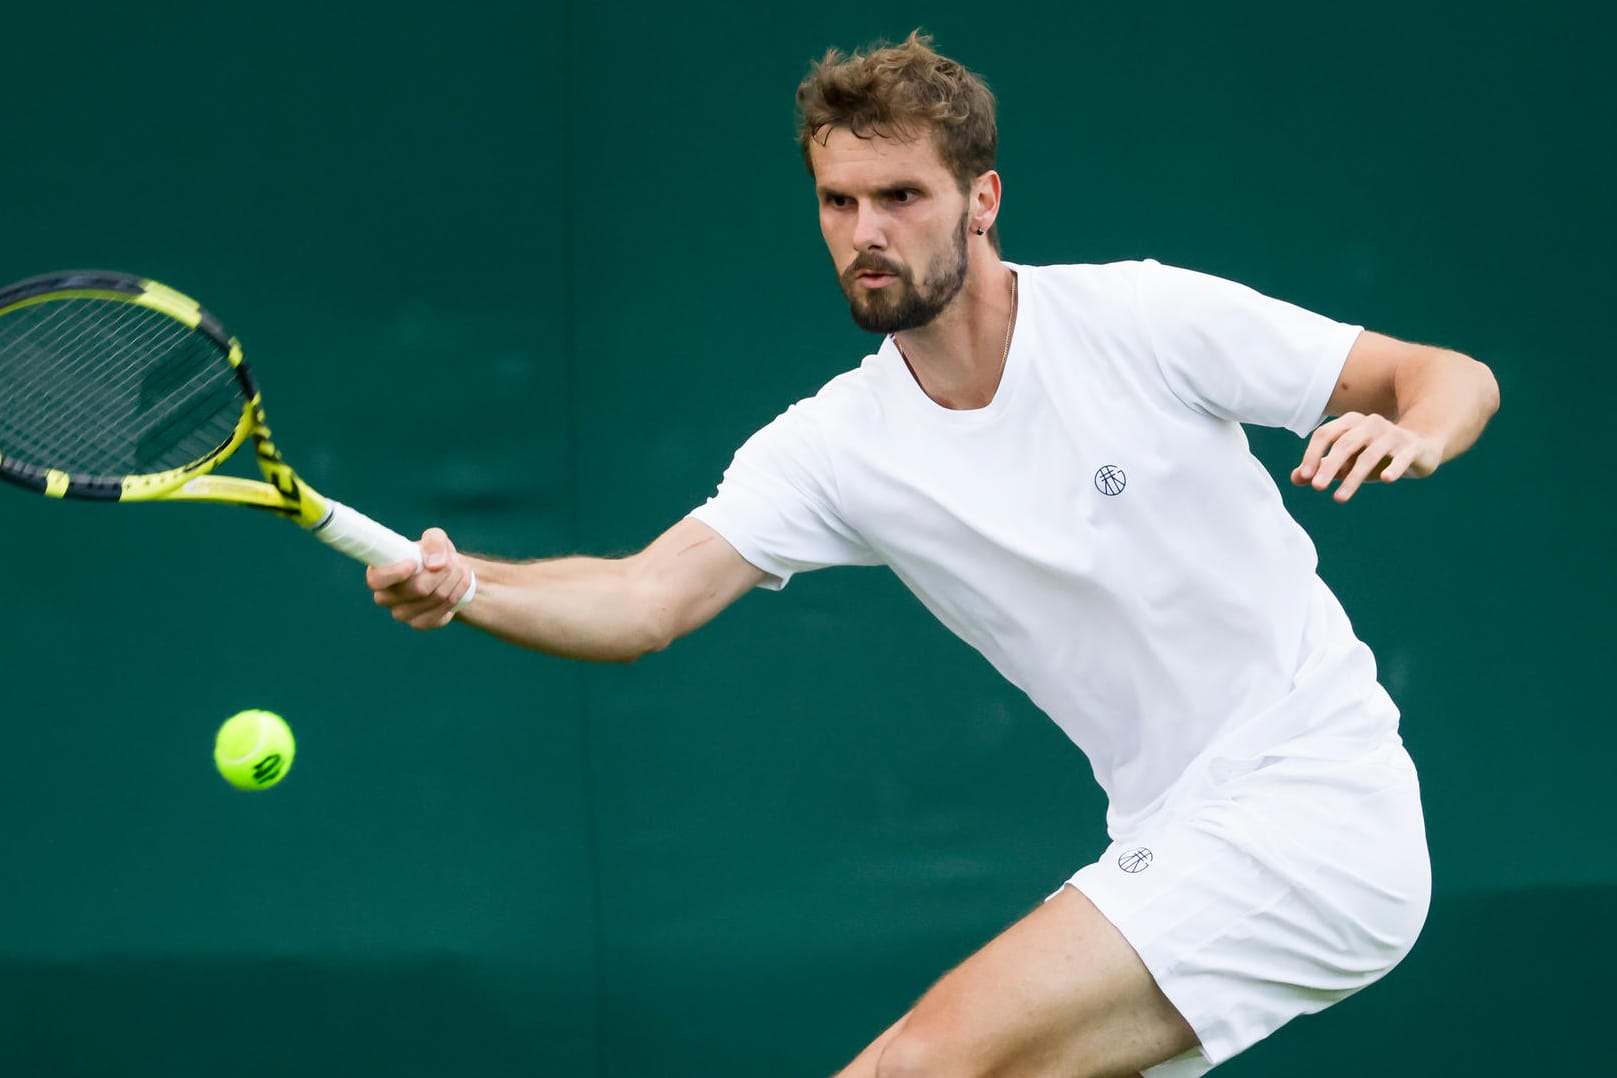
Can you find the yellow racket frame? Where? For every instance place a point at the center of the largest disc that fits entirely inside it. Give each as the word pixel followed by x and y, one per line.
pixel 340 527
pixel 282 492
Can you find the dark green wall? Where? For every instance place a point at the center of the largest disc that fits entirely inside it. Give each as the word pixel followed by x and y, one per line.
pixel 532 272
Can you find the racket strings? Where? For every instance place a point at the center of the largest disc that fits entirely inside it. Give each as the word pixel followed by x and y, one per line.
pixel 78 387
pixel 106 388
pixel 50 360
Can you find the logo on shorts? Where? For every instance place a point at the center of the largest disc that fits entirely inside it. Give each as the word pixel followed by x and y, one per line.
pixel 1110 480
pixel 1135 860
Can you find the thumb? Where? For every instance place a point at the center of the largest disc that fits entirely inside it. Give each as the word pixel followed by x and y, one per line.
pixel 436 549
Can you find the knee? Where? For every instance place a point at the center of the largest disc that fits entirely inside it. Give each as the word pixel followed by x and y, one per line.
pixel 917 1054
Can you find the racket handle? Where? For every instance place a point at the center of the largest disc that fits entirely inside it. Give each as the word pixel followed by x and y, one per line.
pixel 362 539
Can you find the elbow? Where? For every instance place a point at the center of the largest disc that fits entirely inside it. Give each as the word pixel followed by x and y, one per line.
pixel 631 646
pixel 661 613
pixel 655 627
pixel 1490 390
pixel 663 632
pixel 1484 386
pixel 623 654
pixel 654 637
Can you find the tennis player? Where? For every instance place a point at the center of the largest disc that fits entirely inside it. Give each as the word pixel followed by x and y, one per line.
pixel 1052 459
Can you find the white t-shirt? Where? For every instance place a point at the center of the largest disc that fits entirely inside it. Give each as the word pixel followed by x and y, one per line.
pixel 1100 530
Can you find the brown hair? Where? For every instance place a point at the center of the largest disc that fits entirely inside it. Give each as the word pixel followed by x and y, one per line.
pixel 902 91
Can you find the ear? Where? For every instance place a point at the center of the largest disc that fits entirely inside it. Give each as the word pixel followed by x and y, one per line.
pixel 983 201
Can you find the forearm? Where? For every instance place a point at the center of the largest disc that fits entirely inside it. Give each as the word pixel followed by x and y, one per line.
pixel 596 609
pixel 1448 398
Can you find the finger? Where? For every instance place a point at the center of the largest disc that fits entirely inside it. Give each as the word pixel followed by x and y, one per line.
pixel 1336 441
pixel 426 594
pixel 378 577
pixel 1311 454
pixel 448 590
pixel 418 587
pixel 1400 463
pixel 1343 452
pixel 1320 441
pixel 432 620
pixel 393 598
pixel 420 609
pixel 1372 456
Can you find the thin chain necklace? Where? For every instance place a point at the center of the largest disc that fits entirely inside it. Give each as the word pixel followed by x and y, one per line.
pixel 1005 353
pixel 1010 323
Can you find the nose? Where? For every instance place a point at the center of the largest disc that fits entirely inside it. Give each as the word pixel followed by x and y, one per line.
pixel 869 229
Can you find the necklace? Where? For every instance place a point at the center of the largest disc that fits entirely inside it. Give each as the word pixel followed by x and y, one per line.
pixel 1010 323
pixel 1004 355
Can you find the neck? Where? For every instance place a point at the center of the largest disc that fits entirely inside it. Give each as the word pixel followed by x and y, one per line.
pixel 957 358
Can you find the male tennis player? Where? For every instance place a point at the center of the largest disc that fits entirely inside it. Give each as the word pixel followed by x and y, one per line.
pixel 1051 458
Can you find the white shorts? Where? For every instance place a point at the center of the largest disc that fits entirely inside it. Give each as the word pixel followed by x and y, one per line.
pixel 1264 889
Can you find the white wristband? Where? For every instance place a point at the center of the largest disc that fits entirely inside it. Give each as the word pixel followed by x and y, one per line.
pixel 466 597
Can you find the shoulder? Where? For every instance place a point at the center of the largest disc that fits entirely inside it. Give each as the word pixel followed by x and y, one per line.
pixel 812 426
pixel 1113 279
pixel 1083 278
pixel 1146 292
pixel 852 397
pixel 1104 291
pixel 1085 302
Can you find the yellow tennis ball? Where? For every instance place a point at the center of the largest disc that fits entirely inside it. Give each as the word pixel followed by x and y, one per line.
pixel 254 750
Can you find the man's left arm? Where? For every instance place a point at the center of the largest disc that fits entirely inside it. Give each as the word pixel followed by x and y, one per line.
pixel 1401 410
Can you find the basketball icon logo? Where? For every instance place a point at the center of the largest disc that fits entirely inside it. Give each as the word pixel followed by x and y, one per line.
pixel 1110 480
pixel 1135 860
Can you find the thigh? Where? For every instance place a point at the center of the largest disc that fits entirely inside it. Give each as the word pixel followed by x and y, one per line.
pixel 1272 891
pixel 1059 992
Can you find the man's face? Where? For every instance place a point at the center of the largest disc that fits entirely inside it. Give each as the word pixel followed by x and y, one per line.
pixel 895 223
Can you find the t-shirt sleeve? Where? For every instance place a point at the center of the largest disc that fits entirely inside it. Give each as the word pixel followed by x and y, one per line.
pixel 777 505
pixel 1228 351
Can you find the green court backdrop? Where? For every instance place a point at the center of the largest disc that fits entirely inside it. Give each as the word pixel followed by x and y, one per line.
pixel 531 272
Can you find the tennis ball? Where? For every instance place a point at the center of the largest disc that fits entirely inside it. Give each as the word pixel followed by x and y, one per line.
pixel 254 750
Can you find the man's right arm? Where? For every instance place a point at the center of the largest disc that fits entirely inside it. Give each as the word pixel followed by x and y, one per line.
pixel 599 609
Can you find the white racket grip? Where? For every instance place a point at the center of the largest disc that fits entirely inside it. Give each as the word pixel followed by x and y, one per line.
pixel 362 539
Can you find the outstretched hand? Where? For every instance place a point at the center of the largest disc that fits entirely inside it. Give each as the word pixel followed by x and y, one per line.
pixel 426 598
pixel 1355 448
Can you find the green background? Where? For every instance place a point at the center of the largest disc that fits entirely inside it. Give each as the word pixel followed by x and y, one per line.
pixel 531 272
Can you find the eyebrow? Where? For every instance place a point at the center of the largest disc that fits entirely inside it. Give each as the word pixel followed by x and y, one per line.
pixel 826 191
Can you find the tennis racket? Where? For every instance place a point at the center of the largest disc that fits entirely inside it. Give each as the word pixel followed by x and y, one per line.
pixel 117 388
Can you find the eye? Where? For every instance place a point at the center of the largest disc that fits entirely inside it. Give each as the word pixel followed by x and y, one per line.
pixel 836 201
pixel 902 195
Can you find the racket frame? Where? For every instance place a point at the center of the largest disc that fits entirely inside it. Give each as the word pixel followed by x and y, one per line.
pixel 282 492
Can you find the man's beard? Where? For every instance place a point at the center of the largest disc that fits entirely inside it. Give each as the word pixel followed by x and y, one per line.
pixel 903 304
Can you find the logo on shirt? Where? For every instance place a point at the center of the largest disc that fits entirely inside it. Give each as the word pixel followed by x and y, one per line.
pixel 1135 861
pixel 1110 481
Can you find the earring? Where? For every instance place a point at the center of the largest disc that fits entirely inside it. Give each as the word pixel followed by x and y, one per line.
pixel 979 232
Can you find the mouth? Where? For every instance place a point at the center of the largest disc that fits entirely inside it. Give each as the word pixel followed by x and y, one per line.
pixel 875 280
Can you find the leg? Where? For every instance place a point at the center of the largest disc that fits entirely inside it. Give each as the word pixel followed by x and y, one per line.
pixel 864 1065
pixel 1060 994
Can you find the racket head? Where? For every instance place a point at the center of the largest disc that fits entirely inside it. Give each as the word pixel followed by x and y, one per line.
pixel 115 387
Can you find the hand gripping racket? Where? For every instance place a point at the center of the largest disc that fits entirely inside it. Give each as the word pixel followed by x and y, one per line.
pixel 116 388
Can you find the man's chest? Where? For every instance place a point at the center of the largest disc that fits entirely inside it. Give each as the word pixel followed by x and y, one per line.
pixel 1076 484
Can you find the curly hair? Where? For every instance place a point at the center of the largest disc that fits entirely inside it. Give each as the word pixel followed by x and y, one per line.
pixel 902 91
